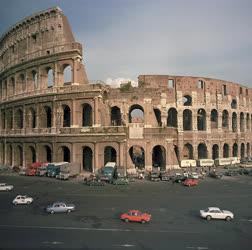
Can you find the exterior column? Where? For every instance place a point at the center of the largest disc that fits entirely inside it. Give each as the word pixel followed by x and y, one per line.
pixel 96 157
pixel 96 112
pixel 148 156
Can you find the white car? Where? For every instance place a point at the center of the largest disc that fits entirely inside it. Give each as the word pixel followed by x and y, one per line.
pixel 22 199
pixel 194 175
pixel 5 187
pixel 216 213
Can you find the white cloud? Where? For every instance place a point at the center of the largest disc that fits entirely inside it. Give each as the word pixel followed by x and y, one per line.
pixel 115 83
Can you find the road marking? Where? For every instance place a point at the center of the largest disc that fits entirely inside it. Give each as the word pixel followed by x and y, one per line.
pixel 124 245
pixel 198 248
pixel 52 242
pixel 98 229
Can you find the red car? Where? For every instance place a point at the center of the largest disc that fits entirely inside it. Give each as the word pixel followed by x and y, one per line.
pixel 191 182
pixel 135 216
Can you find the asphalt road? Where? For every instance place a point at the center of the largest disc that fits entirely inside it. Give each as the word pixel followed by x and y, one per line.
pixel 96 225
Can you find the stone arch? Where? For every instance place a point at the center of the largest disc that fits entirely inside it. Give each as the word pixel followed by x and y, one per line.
pixel 47 155
pixel 110 154
pixel 242 151
pixel 215 151
pixel 136 114
pixel 31 118
pixel 87 159
pixel 248 149
pixel 11 86
pixel 67 74
pixel 31 155
pixel 19 118
pixel 35 79
pixel 66 156
pixel 21 87
pixel 187 100
pixel 159 157
pixel 247 122
pixel 47 121
pixel 234 122
pixel 187 119
pixel 115 116
pixel 242 122
pixel 157 113
pixel 235 150
pixel 66 116
pixel 9 119
pixel 9 153
pixel 87 115
pixel 214 119
pixel 50 77
pixel 137 155
pixel 172 119
pixel 201 119
pixel 187 151
pixel 234 104
pixel 225 119
pixel 225 150
pixel 18 156
pixel 202 151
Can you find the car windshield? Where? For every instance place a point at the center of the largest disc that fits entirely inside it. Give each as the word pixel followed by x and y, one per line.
pixel 108 170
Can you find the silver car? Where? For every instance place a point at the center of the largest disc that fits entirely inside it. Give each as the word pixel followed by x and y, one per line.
pixel 60 207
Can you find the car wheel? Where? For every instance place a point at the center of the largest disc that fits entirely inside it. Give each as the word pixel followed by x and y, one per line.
pixel 208 217
pixel 52 212
pixel 15 203
pixel 126 220
pixel 143 221
pixel 69 211
pixel 228 218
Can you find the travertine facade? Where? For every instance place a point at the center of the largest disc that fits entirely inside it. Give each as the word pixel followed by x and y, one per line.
pixel 50 111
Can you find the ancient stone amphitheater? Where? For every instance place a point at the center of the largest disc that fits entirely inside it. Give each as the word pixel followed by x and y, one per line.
pixel 51 112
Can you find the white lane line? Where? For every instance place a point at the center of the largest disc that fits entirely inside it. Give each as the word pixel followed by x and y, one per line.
pixel 97 229
pixel 197 248
pixel 124 245
pixel 53 242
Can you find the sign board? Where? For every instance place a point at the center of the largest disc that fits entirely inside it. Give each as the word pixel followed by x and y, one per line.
pixel 223 161
pixel 188 163
pixel 206 162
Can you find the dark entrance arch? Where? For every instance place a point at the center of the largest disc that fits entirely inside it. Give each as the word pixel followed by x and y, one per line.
pixel 66 154
pixel 235 150
pixel 242 151
pixel 19 156
pixel 116 119
pixel 172 119
pixel 202 151
pixel 187 119
pixel 137 156
pixel 225 150
pixel 109 154
pixel 87 115
pixel 66 116
pixel 87 159
pixel 159 157
pixel 201 119
pixel 48 154
pixel 188 151
pixel 215 152
pixel 136 114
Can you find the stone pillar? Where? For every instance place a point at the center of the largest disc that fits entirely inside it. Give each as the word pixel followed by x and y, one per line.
pixel 122 158
pixel 180 120
pixel 96 121
pixel 194 120
pixel 148 156
pixel 96 157
pixel 23 154
pixel 74 117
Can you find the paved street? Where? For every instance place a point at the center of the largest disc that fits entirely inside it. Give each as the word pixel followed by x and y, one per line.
pixel 95 225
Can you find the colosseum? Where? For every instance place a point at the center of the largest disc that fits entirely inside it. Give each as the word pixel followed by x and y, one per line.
pixel 50 111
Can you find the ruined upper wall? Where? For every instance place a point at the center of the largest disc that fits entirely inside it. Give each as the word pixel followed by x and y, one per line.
pixel 41 34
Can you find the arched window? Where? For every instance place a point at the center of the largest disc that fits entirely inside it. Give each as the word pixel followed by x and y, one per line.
pixel 66 116
pixel 109 154
pixel 225 151
pixel 48 116
pixel 247 121
pixel 242 122
pixel 242 151
pixel 116 119
pixel 187 100
pixel 215 152
pixel 19 119
pixel 187 151
pixel 87 115
pixel 67 74
pixel 201 119
pixel 136 114
pixel 157 113
pixel 137 156
pixel 35 79
pixel 187 119
pixel 172 119
pixel 87 159
pixel 234 122
pixel 50 78
pixel 235 150
pixel 225 119
pixel 202 151
pixel 234 104
pixel 214 119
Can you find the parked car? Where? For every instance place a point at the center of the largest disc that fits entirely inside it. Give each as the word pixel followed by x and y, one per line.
pixel 60 207
pixel 154 176
pixel 5 187
pixel 216 213
pixel 215 174
pixel 22 199
pixel 178 178
pixel 191 182
pixel 135 216
pixel 194 175
pixel 164 176
pixel 243 171
pixel 231 173
pixel 120 181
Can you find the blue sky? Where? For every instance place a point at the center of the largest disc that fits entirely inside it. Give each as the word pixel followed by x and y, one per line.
pixel 126 38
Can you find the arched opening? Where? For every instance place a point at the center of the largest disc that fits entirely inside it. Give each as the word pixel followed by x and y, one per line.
pixel 172 119
pixel 87 115
pixel 9 155
pixel 248 150
pixel 234 104
pixel 247 122
pixel 31 157
pixel 48 154
pixel 201 119
pixel 187 100
pixel 187 119
pixel 66 116
pixel 87 159
pixel 215 152
pixel 9 119
pixel 214 119
pixel 136 114
pixel 137 156
pixel 67 72
pixel 234 122
pixel 242 151
pixel 202 151
pixel 177 153
pixel 235 150
pixel 35 79
pixel 19 155
pixel 12 86
pixel 22 82
pixel 225 150
pixel 225 119
pixel 48 116
pixel 19 119
pixel 157 113
pixel 187 151
pixel 32 118
pixel 242 122
pixel 159 157
pixel 116 119
pixel 66 154
pixel 3 119
pixel 109 154
pixel 50 78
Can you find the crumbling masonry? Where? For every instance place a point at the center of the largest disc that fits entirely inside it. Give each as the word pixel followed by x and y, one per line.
pixel 49 111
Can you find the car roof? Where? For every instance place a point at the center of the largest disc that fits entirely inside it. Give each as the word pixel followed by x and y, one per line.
pixel 2 184
pixel 213 208
pixel 134 211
